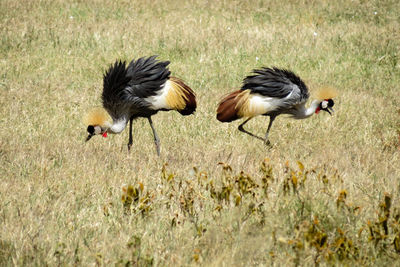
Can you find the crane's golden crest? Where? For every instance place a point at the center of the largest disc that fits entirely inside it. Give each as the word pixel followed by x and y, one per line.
pixel 97 116
pixel 326 93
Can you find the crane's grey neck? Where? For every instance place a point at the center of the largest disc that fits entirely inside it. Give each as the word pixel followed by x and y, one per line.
pixel 305 113
pixel 117 126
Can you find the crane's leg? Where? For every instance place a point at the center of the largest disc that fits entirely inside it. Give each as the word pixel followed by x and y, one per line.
pixel 130 135
pixel 156 139
pixel 271 120
pixel 240 128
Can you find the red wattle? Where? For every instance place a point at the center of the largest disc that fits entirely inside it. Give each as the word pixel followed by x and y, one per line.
pixel 105 134
pixel 317 110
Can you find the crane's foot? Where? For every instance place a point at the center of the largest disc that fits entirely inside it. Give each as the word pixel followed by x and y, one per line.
pixel 129 147
pixel 267 143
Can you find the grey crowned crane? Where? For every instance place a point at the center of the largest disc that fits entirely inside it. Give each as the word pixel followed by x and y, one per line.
pixel 271 92
pixel 140 89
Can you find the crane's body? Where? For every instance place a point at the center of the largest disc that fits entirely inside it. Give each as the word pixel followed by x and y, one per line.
pixel 140 89
pixel 271 92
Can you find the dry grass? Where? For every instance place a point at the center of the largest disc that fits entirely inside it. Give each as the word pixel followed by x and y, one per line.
pixel 60 199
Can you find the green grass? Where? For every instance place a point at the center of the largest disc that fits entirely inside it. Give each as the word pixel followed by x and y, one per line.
pixel 60 198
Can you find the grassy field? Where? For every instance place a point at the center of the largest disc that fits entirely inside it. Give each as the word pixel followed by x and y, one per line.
pixel 327 192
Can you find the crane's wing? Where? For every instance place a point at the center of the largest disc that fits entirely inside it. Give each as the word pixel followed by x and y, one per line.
pixel 127 86
pixel 114 82
pixel 277 83
pixel 147 76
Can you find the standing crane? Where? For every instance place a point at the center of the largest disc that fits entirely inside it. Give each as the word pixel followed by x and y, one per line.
pixel 140 89
pixel 271 92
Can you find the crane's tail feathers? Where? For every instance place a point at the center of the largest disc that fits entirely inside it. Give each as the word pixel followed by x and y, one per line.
pixel 326 93
pixel 229 107
pixel 97 116
pixel 241 104
pixel 181 97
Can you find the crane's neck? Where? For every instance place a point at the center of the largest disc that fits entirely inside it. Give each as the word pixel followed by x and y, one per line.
pixel 117 126
pixel 308 112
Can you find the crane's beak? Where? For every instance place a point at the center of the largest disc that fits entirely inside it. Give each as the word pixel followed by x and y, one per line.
pixel 89 137
pixel 330 110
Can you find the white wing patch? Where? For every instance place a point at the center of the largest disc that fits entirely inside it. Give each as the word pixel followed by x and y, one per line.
pixel 159 101
pixel 258 104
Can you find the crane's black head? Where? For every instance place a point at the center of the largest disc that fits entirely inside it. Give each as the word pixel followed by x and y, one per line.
pixel 94 130
pixel 326 105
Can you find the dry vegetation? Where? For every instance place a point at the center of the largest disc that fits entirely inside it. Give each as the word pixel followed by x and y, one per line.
pixel 327 192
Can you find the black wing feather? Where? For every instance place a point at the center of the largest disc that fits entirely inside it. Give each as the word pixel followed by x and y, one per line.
pixel 147 76
pixel 114 81
pixel 274 82
pixel 125 87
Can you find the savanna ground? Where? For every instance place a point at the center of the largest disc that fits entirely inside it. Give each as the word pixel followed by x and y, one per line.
pixel 327 192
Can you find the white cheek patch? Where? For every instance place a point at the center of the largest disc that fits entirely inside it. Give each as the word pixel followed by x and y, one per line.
pixel 324 104
pixel 97 130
